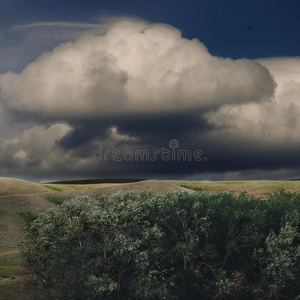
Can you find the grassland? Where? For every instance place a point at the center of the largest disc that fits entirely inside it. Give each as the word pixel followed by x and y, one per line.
pixel 13 186
pixel 21 201
pixel 258 188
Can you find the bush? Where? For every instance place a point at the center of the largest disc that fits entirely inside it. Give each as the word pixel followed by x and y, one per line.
pixel 177 246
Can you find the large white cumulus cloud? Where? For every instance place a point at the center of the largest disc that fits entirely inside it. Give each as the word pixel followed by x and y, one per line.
pixel 273 122
pixel 133 68
pixel 34 151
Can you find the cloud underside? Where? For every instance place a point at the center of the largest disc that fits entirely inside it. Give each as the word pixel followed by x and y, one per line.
pixel 137 86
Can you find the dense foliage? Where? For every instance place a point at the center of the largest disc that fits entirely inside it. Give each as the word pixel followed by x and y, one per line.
pixel 175 246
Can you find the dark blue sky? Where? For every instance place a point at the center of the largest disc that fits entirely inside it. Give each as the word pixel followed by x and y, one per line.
pixel 220 24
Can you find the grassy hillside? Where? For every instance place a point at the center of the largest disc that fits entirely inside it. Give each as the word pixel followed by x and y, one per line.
pixel 15 212
pixel 13 186
pixel 72 191
pixel 259 188
pixel 21 201
pixel 59 187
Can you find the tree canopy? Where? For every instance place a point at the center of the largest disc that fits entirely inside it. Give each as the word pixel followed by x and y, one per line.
pixel 177 246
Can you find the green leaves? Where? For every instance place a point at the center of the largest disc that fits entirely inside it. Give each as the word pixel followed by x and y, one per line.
pixel 176 246
pixel 279 260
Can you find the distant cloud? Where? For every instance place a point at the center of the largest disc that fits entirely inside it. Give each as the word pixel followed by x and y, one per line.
pixel 20 45
pixel 35 151
pixel 279 118
pixel 59 24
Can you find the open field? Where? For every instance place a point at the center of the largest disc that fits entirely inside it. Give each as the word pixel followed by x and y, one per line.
pixel 259 188
pixel 13 186
pixel 58 187
pixel 15 212
pixel 72 191
pixel 21 201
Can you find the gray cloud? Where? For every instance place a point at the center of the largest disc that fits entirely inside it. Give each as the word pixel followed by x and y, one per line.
pixel 34 151
pixel 137 86
pixel 279 118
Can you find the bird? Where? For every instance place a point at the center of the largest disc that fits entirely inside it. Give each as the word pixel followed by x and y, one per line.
pixel 250 27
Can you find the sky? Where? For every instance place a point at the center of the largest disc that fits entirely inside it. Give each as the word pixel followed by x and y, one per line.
pixel 191 90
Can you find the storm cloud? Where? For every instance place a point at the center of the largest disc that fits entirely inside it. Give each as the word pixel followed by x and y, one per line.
pixel 137 85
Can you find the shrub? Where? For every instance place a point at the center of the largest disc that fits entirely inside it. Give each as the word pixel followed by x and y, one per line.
pixel 177 246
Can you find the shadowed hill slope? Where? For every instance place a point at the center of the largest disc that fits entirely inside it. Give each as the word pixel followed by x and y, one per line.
pixel 14 186
pixel 154 185
pixel 97 181
pixel 15 212
pixel 259 188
